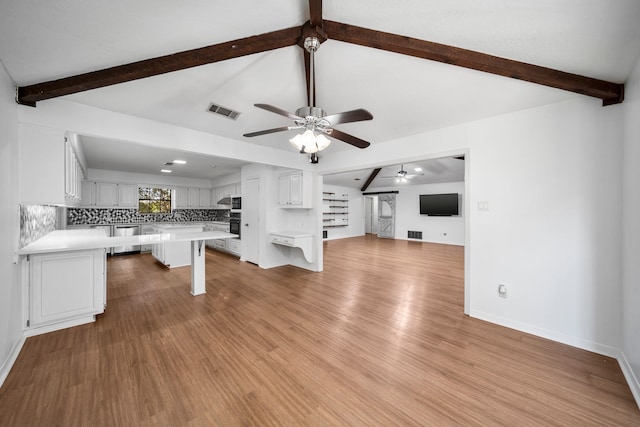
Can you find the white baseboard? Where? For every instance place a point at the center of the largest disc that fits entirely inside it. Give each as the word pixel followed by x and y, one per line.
pixel 632 380
pixel 33 331
pixel 594 347
pixel 13 356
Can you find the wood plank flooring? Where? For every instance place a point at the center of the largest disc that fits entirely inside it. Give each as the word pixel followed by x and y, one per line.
pixel 377 339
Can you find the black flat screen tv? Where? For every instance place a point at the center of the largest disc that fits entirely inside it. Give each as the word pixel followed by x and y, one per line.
pixel 439 204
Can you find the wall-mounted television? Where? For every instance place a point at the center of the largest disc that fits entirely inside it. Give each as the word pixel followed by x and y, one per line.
pixel 439 204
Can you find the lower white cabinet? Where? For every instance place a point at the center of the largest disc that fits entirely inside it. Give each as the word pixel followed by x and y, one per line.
pixel 174 254
pixel 66 287
pixel 233 246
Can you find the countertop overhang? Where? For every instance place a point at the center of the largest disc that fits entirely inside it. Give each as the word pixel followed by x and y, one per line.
pixel 81 239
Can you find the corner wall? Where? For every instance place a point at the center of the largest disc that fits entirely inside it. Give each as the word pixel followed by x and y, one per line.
pixel 631 235
pixel 10 290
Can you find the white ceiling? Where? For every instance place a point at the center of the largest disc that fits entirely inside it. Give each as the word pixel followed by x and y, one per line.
pixel 42 41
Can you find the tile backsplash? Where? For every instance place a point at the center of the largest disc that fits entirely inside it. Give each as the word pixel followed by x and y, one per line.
pixel 37 221
pixel 83 216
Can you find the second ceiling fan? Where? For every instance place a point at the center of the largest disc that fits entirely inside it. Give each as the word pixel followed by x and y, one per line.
pixel 315 121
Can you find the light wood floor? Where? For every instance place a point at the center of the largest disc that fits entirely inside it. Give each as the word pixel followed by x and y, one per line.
pixel 378 338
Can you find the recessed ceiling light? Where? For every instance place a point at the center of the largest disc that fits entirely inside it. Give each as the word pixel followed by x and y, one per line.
pixel 418 169
pixel 180 162
pixel 165 170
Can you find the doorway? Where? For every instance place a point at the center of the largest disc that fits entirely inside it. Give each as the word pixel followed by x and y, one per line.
pixel 371 215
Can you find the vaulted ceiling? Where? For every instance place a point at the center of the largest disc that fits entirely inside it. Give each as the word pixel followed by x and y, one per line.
pixel 581 47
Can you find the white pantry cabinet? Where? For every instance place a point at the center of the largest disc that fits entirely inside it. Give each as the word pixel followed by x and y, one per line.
pixel 66 286
pixel 50 172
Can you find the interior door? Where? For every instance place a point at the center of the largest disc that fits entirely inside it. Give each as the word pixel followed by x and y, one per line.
pixel 251 221
pixel 386 216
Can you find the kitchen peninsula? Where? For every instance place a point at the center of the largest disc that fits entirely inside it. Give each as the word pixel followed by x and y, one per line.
pixel 66 278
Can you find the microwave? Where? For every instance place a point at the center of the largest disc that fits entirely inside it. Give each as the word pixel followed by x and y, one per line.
pixel 236 203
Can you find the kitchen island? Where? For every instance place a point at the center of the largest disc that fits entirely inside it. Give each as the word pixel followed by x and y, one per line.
pixel 65 273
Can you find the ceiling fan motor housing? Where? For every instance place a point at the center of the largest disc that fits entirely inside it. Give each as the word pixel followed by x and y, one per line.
pixel 310 111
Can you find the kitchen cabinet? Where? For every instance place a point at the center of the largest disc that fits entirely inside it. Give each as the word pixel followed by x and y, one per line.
pixel 109 194
pixel 233 246
pixel 127 195
pixel 50 173
pixel 294 190
pixel 106 194
pixel 205 197
pixel 174 254
pixel 192 197
pixel 182 198
pixel 217 243
pixel 88 193
pixel 66 286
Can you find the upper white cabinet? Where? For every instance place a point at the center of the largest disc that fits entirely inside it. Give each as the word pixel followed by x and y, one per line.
pixel 127 195
pixel 106 194
pixel 50 172
pixel 294 190
pixel 109 194
pixel 205 197
pixel 182 198
pixel 192 197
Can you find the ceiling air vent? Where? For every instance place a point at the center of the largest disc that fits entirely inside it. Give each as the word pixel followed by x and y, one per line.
pixel 223 111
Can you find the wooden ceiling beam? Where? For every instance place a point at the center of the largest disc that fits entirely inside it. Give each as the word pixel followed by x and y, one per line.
pixel 29 95
pixel 373 175
pixel 610 93
pixel 315 13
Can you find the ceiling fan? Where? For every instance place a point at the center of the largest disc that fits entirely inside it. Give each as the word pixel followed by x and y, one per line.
pixel 315 122
pixel 402 175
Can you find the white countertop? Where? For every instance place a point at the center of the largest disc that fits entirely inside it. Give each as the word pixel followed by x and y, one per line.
pixel 80 239
pixel 292 234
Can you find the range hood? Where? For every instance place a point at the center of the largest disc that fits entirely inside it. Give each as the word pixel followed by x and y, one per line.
pixel 224 201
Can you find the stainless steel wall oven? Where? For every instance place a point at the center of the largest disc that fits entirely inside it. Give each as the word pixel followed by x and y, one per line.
pixel 234 223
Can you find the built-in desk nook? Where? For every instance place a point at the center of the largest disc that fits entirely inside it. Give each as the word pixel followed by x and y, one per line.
pixel 294 239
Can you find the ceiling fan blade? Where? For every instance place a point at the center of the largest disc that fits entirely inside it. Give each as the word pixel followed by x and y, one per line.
pixel 349 116
pixel 267 131
pixel 349 139
pixel 278 111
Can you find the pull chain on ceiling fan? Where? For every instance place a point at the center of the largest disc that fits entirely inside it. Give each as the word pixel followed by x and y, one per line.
pixel 315 121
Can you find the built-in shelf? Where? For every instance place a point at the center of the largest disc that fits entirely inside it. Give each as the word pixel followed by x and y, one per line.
pixel 335 213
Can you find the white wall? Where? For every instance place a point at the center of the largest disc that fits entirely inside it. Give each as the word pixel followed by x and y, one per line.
pixel 10 289
pixel 355 209
pixel 447 230
pixel 631 227
pixel 552 178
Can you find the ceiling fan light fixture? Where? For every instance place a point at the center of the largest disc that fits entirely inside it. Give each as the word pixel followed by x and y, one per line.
pixel 309 142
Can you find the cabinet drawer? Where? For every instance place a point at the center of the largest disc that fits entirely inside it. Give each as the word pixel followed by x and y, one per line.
pixel 281 240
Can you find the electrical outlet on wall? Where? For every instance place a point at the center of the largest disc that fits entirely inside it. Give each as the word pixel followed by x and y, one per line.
pixel 502 291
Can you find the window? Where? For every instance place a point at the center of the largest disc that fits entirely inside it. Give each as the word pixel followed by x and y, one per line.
pixel 154 200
